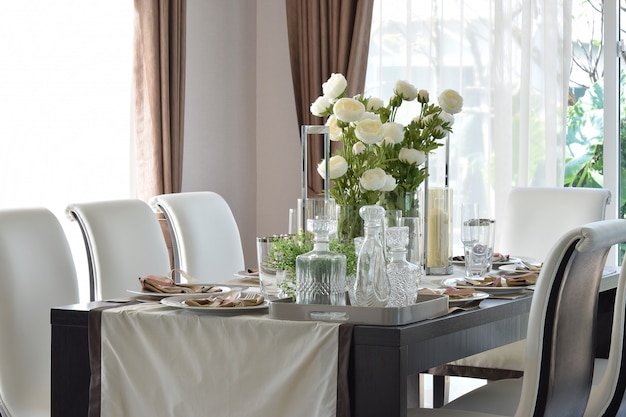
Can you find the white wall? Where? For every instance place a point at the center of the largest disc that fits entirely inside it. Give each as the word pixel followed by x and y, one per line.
pixel 241 136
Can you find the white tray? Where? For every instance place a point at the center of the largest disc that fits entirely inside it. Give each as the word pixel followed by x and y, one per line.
pixel 426 307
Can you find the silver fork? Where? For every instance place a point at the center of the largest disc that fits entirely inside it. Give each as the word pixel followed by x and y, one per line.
pixel 248 296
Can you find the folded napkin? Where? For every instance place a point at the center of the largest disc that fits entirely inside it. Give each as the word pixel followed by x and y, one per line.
pixel 227 300
pixel 497 257
pixel 516 280
pixel 452 293
pixel 166 285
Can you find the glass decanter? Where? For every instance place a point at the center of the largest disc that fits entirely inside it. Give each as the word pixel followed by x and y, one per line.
pixel 321 273
pixel 371 288
pixel 403 276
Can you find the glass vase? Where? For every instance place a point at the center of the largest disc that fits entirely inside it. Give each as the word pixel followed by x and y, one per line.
pixel 410 202
pixel 349 223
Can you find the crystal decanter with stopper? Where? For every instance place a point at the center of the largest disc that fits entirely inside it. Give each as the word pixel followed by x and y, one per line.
pixel 321 273
pixel 371 288
pixel 403 276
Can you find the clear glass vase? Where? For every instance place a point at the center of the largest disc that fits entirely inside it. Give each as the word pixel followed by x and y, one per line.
pixel 349 223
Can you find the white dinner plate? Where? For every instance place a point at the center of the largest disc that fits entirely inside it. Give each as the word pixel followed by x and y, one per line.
pixel 178 302
pixel 246 274
pixel 513 268
pixel 163 294
pixel 476 295
pixel 458 283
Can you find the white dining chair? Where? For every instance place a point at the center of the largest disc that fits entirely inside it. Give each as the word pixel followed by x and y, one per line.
pixel 205 236
pixel 123 241
pixel 560 348
pixel 535 218
pixel 36 273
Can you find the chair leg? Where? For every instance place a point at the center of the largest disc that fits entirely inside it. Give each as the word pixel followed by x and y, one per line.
pixel 441 390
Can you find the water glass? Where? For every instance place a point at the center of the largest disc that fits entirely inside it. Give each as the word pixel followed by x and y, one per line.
pixel 479 249
pixel 269 277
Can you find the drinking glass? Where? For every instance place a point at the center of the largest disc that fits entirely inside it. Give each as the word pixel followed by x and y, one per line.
pixel 469 211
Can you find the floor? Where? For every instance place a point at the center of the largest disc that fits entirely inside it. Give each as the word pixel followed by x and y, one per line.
pixel 457 387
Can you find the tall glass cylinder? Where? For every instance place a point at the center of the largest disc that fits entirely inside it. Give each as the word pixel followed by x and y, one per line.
pixel 438 221
pixel 439 232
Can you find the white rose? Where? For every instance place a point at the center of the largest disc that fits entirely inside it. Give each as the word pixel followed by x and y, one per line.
pixel 370 115
pixel 412 156
pixel 451 101
pixel 358 148
pixel 374 103
pixel 335 86
pixel 348 110
pixel 446 118
pixel 406 90
pixel 369 131
pixel 335 132
pixel 338 167
pixel 320 106
pixel 422 96
pixel 390 183
pixel 373 179
pixel 394 132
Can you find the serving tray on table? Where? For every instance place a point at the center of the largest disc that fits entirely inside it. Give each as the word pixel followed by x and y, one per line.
pixel 426 307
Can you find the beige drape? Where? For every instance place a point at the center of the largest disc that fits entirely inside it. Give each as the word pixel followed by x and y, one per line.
pixel 159 93
pixel 325 36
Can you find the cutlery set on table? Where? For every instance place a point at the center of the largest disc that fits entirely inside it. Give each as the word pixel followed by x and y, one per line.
pixel 200 297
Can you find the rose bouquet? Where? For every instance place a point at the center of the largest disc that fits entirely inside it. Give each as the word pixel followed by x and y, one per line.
pixel 381 160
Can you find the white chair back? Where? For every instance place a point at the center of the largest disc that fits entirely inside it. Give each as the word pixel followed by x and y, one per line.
pixel 537 216
pixel 124 241
pixel 205 237
pixel 36 273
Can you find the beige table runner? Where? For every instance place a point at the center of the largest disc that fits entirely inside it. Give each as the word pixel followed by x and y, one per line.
pixel 160 361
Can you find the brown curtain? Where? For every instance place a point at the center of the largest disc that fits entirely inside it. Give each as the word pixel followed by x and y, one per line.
pixel 159 95
pixel 325 37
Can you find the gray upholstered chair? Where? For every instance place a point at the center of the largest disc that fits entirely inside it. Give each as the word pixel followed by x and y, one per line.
pixel 36 273
pixel 560 351
pixel 205 237
pixel 124 241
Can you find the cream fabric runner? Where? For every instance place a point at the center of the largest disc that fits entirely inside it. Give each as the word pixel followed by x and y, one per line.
pixel 157 361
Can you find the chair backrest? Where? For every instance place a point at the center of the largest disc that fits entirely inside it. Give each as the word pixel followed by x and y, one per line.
pixel 36 273
pixel 609 392
pixel 561 330
pixel 124 241
pixel 536 217
pixel 205 237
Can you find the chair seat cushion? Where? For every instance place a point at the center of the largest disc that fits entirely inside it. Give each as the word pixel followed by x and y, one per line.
pixel 500 363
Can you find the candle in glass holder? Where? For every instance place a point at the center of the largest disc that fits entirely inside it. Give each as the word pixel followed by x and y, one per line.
pixel 439 229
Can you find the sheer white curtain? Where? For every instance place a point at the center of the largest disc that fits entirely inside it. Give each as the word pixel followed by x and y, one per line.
pixel 509 59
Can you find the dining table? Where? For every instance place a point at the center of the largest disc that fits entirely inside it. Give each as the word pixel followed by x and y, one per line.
pixel 116 355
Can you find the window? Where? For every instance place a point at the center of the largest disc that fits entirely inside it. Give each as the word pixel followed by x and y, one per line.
pixel 65 96
pixel 511 63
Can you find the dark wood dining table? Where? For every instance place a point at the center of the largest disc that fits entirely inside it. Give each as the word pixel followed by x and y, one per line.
pixel 384 365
